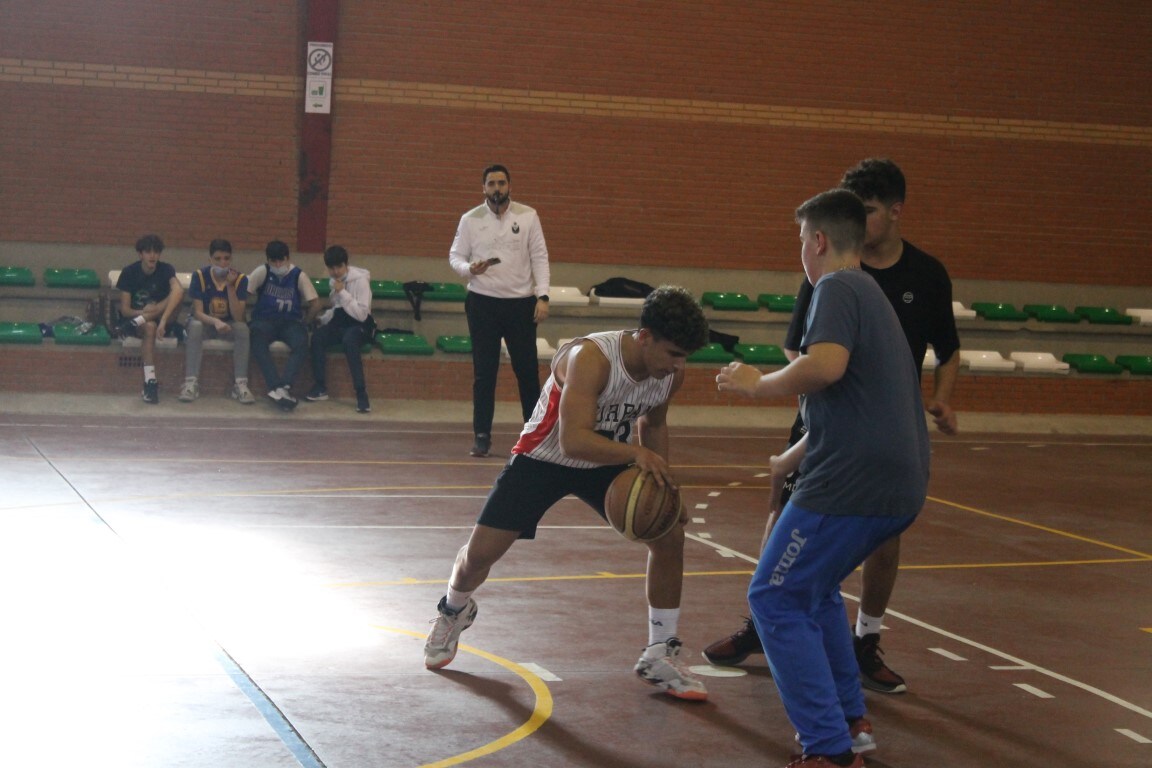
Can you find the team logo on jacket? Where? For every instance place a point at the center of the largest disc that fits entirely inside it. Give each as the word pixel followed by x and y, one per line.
pixel 515 228
pixel 907 297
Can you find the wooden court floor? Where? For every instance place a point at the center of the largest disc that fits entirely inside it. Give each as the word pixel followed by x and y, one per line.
pixel 220 592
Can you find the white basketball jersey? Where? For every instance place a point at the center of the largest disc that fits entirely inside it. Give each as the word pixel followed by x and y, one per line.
pixel 623 401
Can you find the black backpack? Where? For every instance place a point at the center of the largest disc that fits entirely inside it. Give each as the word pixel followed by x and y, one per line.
pixel 623 288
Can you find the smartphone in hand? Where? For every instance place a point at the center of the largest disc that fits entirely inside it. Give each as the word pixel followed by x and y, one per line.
pixel 493 260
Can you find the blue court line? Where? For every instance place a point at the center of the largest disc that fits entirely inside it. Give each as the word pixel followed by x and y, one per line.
pixel 288 734
pixel 269 711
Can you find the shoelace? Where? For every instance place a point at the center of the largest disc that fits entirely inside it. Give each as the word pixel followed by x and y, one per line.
pixel 441 629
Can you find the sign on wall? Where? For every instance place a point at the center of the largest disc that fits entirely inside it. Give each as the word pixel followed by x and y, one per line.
pixel 318 81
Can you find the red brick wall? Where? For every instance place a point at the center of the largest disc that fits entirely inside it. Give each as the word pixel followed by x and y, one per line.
pixel 674 133
pixel 105 371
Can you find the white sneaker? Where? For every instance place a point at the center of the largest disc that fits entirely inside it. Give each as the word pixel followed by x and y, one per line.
pixel 241 393
pixel 667 671
pixel 189 392
pixel 860 730
pixel 440 648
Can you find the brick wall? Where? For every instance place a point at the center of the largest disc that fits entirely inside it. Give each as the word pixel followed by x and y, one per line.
pixel 648 134
pixel 49 368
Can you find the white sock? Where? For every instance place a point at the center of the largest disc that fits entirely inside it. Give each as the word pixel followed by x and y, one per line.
pixel 662 624
pixel 189 379
pixel 242 381
pixel 138 320
pixel 149 372
pixel 868 625
pixel 456 599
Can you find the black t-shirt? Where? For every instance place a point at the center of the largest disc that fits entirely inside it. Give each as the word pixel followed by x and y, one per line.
pixel 146 289
pixel 919 289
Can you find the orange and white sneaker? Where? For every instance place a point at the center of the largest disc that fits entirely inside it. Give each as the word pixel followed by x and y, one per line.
pixel 662 666
pixel 440 647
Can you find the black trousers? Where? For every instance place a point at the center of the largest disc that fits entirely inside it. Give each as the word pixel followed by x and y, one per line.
pixel 489 321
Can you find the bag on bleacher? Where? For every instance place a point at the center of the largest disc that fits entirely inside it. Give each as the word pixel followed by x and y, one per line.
pixel 623 288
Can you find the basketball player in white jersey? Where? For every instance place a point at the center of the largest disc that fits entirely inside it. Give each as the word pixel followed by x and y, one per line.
pixel 604 408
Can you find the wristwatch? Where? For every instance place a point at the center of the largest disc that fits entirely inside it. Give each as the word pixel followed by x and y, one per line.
pixel 544 298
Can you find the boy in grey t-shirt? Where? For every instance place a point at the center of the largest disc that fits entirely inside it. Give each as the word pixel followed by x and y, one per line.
pixel 865 478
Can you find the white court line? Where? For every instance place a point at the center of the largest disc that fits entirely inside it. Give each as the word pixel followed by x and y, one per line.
pixel 947 654
pixel 701 506
pixel 714 493
pixel 1134 736
pixel 539 671
pixel 698 520
pixel 972 643
pixel 1034 691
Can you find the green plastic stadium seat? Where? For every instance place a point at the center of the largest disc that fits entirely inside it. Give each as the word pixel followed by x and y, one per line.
pixel 1051 313
pixel 761 354
pixel 403 344
pixel 387 289
pixel 1137 364
pixel 322 285
pixel 446 292
pixel 1103 315
pixel 777 302
pixel 711 353
pixel 991 310
pixel 734 302
pixel 16 276
pixel 20 333
pixel 1086 363
pixel 97 336
pixel 455 344
pixel 71 278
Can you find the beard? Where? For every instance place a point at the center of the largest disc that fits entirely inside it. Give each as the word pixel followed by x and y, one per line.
pixel 497 199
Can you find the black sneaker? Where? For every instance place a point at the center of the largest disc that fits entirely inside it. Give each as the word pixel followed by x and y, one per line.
pixel 316 394
pixel 151 393
pixel 362 405
pixel 736 647
pixel 125 329
pixel 482 446
pixel 874 673
pixel 286 402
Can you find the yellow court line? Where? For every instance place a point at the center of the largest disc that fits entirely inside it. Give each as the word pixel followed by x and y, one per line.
pixel 1045 528
pixel 409 582
pixel 541 710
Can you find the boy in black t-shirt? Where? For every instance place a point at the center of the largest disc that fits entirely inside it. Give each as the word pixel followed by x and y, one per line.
pixel 150 294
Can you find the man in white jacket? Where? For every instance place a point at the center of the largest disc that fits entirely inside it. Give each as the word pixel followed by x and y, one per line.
pixel 348 322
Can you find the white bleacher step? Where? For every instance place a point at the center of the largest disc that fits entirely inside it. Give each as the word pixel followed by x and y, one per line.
pixel 566 296
pixel 1039 362
pixel 611 301
pixel 1142 315
pixel 985 360
pixel 959 311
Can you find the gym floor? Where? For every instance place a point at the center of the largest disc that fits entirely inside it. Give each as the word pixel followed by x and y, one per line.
pixel 212 585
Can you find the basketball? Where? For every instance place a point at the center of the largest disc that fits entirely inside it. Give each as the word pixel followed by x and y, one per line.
pixel 638 508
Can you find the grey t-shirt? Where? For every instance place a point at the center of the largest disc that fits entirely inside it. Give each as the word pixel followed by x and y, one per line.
pixel 867 437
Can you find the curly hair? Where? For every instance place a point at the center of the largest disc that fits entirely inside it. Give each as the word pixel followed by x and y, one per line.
pixel 876 178
pixel 671 313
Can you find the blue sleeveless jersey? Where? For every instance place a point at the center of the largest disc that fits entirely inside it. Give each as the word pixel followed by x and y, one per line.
pixel 279 296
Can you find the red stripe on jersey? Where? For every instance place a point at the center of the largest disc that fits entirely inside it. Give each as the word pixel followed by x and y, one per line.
pixel 531 440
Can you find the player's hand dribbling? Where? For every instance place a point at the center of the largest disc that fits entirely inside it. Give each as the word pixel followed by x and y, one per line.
pixel 653 463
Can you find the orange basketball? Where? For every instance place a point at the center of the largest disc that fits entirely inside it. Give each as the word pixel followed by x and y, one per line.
pixel 638 508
